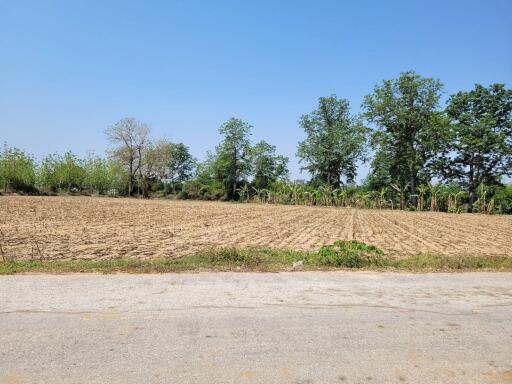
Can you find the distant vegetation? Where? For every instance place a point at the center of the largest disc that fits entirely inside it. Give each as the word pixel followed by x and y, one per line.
pixel 422 156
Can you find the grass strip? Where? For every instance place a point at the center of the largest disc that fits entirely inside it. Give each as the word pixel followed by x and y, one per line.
pixel 339 256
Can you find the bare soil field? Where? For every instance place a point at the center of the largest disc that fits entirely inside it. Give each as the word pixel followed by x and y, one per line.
pixel 98 228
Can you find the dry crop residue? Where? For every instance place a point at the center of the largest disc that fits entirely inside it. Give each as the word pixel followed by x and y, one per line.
pixel 90 227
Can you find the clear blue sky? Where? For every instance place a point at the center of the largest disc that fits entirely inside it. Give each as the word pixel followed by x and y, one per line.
pixel 69 69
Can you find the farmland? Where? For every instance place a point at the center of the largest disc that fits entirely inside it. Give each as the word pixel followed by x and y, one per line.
pixel 72 227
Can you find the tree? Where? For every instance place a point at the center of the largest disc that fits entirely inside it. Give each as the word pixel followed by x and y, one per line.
pixel 17 169
pixel 334 144
pixel 130 136
pixel 152 164
pixel 267 166
pixel 209 177
pixel 104 175
pixel 71 172
pixel 480 149
pixel 380 174
pixel 164 161
pixel 97 174
pixel 232 161
pixel 62 172
pixel 179 164
pixel 410 129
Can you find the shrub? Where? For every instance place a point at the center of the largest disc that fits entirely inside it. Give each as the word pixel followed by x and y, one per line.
pixel 17 170
pixel 233 257
pixel 349 254
pixel 62 173
pixel 503 199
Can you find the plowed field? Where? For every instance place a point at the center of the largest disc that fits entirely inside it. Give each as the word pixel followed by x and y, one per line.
pixel 88 227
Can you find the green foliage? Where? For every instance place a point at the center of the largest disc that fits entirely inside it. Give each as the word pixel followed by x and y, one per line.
pixel 349 254
pixel 466 149
pixel 334 144
pixel 105 176
pixel 410 129
pixel 98 175
pixel 68 173
pixel 232 159
pixel 210 190
pixel 428 262
pixel 503 199
pixel 479 150
pixel 267 166
pixel 225 174
pixel 60 173
pixel 17 170
pixel 450 198
pixel 179 164
pixel 380 174
pixel 234 259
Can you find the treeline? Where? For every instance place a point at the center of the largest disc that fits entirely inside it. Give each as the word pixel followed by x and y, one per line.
pixel 422 156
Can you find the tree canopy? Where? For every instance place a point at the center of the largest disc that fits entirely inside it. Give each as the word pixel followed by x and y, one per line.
pixel 456 159
pixel 131 137
pixel 335 142
pixel 267 166
pixel 480 146
pixel 233 155
pixel 409 126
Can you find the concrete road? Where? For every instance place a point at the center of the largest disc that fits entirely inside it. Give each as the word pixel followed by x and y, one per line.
pixel 304 327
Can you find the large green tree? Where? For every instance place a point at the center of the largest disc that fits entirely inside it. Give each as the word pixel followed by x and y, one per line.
pixel 268 167
pixel 335 142
pixel 180 164
pixel 480 149
pixel 409 128
pixel 233 155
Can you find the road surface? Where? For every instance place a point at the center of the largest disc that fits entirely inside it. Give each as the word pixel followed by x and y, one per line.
pixel 303 327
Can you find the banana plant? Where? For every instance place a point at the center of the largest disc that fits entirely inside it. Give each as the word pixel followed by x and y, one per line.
pixel 481 204
pixel 243 192
pixel 435 191
pixel 422 192
pixel 382 197
pixel 402 192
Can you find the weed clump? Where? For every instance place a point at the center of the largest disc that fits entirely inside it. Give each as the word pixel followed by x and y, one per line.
pixel 232 257
pixel 348 254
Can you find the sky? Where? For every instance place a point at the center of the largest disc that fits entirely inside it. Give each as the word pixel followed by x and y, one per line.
pixel 70 69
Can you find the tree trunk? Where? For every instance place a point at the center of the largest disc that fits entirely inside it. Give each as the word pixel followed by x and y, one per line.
pixel 145 188
pixel 141 180
pixel 234 175
pixel 471 186
pixel 413 189
pixel 130 179
pixel 472 195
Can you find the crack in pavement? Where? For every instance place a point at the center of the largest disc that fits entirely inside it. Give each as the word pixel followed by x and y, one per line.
pixel 283 305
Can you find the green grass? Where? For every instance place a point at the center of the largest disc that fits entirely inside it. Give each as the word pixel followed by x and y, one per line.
pixel 427 262
pixel 349 254
pixel 340 255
